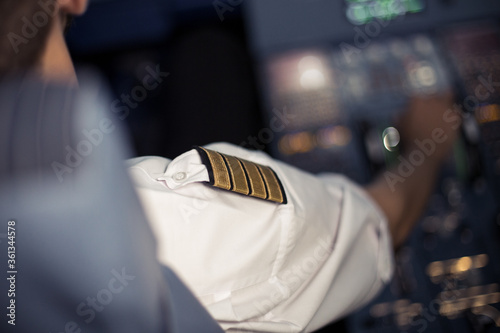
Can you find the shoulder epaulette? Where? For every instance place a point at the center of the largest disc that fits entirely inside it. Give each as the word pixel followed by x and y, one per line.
pixel 241 176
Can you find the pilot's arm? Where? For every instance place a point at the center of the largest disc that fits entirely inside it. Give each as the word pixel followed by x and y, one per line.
pixel 429 129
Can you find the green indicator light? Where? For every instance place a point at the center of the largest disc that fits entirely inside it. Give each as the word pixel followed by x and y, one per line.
pixel 363 11
pixel 360 13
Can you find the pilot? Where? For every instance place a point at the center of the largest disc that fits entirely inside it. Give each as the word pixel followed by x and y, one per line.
pixel 264 246
pixel 267 247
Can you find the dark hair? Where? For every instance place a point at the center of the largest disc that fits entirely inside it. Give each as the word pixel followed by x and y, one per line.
pixel 22 38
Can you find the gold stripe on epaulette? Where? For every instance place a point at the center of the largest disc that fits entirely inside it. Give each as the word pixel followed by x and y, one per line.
pixel 241 176
pixel 220 172
pixel 237 173
pixel 273 186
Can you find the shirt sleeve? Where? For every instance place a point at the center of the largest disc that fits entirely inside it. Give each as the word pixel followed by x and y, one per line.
pixel 267 267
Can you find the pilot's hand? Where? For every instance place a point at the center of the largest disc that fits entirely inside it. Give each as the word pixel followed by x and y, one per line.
pixel 429 126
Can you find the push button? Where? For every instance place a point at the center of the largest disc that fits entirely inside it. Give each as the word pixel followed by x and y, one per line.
pixel 179 176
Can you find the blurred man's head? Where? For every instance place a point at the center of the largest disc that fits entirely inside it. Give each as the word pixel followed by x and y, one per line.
pixel 32 37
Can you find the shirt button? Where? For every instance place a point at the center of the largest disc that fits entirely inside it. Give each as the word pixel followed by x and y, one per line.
pixel 180 176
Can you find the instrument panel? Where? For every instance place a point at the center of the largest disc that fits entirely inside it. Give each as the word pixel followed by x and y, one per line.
pixel 343 102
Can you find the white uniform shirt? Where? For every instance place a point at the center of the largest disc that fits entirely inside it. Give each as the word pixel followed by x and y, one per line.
pixel 262 266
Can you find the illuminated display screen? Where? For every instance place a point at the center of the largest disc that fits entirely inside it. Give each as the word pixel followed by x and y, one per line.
pixel 364 11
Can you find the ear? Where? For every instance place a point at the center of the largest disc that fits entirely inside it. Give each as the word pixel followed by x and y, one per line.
pixel 74 7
